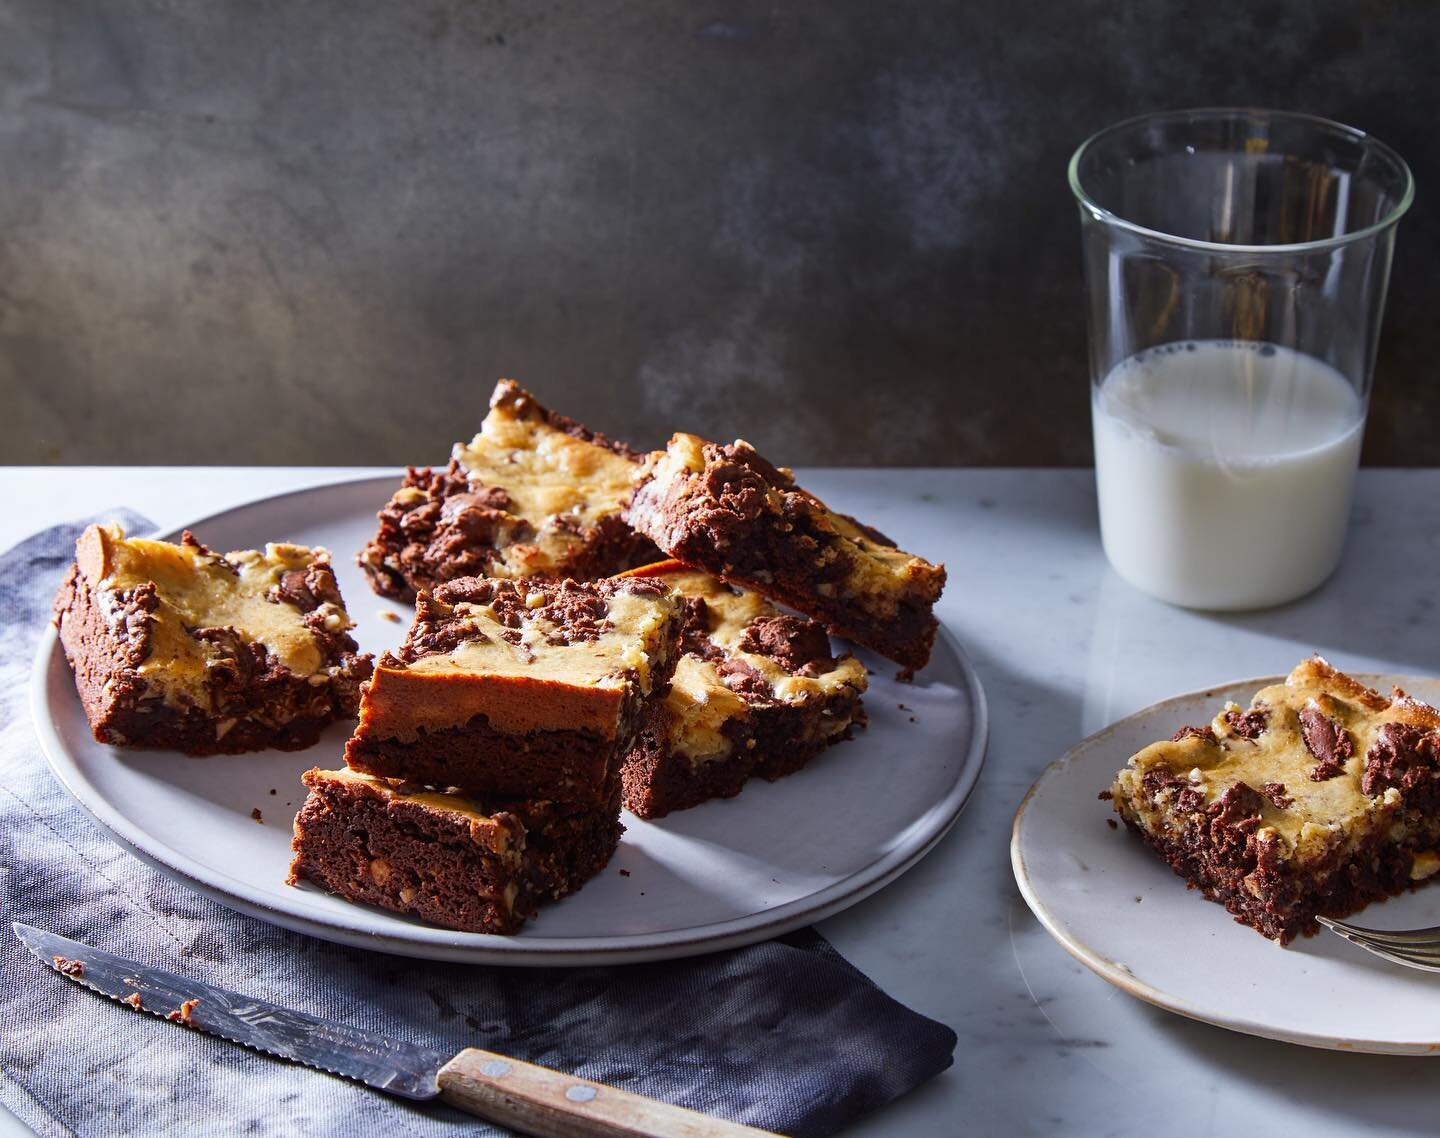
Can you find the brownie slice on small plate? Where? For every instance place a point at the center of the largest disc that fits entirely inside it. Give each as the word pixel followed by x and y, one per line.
pixel 1320 797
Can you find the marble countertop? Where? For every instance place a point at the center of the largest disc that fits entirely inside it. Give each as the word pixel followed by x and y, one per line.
pixel 1063 647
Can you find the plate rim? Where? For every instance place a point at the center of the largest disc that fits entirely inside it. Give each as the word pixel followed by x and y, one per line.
pixel 434 943
pixel 1073 944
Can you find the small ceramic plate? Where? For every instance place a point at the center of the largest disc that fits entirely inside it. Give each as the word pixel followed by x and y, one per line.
pixel 726 873
pixel 1119 910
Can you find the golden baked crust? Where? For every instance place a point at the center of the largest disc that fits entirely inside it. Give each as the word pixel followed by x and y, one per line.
pixel 523 689
pixel 175 646
pixel 200 589
pixel 756 691
pixel 526 673
pixel 726 510
pixel 1271 808
pixel 533 494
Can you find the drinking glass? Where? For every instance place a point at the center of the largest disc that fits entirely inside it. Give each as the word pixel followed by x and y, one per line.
pixel 1236 263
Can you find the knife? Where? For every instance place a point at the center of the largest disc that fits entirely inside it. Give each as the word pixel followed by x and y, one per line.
pixel 528 1098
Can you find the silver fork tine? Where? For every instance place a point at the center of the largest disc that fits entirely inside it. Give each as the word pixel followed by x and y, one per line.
pixel 1423 963
pixel 1423 954
pixel 1430 936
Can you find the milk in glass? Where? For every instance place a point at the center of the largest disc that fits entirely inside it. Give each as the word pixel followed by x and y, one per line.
pixel 1225 471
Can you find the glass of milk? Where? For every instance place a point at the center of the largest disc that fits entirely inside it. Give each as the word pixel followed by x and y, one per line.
pixel 1235 263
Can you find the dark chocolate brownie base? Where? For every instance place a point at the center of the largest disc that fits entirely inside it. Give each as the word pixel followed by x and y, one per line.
pixel 412 858
pixel 1287 903
pixel 722 521
pixel 568 766
pixel 260 704
pixel 773 743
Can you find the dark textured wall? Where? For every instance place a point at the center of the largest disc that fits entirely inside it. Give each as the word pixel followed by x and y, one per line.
pixel 317 232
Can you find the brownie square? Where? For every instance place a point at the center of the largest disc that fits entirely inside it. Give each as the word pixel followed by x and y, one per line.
pixel 176 647
pixel 524 689
pixel 446 856
pixel 756 692
pixel 728 511
pixel 1320 797
pixel 534 494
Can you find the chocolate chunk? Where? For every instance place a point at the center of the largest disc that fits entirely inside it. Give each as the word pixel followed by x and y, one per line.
pixel 308 588
pixel 1402 756
pixel 1189 800
pixel 1275 792
pixel 695 629
pixel 1237 806
pixel 240 660
pixel 1156 782
pixel 574 613
pixel 743 679
pixel 1329 742
pixel 492 497
pixel 1206 733
pixel 798 645
pixel 1248 724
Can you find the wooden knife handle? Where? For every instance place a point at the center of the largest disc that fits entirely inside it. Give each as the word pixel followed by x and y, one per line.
pixel 541 1102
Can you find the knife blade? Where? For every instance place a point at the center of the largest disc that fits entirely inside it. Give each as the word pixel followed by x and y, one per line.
pixel 524 1096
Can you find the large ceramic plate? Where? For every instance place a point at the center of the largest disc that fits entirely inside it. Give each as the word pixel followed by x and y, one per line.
pixel 1120 911
pixel 725 873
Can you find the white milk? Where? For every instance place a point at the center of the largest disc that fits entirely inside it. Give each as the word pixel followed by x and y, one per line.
pixel 1225 471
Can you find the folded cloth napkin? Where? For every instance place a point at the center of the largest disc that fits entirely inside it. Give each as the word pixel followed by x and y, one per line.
pixel 786 1035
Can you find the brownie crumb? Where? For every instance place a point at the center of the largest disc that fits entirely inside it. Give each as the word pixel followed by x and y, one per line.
pixel 69 967
pixel 272 790
pixel 624 873
pixel 257 816
pixel 1275 792
pixel 1186 732
pixel 902 707
pixel 133 999
pixel 390 615
pixel 1327 741
pixel 182 1013
pixel 912 719
pixel 1114 825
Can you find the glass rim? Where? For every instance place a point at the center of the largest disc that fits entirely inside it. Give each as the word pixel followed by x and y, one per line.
pixel 1100 213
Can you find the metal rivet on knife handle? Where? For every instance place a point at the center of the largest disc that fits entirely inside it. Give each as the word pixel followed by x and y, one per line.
pixel 538 1101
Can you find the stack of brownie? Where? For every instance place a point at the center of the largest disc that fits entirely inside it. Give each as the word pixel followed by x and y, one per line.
pixel 558 666
pixel 485 774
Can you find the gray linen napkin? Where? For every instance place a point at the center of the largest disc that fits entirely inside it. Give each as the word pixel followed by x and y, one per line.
pixel 785 1035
